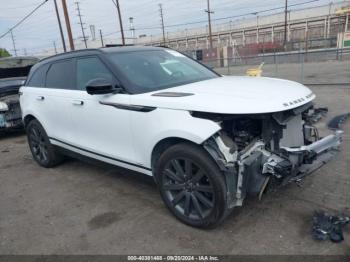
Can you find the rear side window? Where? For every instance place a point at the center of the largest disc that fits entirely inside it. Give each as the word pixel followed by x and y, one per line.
pixel 61 75
pixel 38 77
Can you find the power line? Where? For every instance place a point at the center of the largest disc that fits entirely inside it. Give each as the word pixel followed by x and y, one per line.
pixel 24 6
pixel 184 24
pixel 23 19
pixel 150 27
pixel 264 11
pixel 230 17
pixel 216 19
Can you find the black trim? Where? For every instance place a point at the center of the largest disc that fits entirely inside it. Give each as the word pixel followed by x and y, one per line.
pixel 97 154
pixel 137 108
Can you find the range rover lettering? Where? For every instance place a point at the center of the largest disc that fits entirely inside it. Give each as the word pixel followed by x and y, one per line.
pixel 208 140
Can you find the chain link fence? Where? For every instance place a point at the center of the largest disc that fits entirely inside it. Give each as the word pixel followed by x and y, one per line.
pixel 320 66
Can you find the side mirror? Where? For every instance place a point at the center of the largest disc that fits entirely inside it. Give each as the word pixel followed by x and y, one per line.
pixel 100 86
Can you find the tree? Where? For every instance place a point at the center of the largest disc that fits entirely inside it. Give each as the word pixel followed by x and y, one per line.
pixel 4 52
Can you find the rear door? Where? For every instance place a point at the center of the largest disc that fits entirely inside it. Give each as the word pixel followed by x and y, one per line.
pixel 47 97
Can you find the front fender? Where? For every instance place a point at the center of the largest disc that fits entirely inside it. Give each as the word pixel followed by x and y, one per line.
pixel 150 128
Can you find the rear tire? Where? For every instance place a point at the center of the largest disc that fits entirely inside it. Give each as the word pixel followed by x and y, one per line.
pixel 42 150
pixel 191 185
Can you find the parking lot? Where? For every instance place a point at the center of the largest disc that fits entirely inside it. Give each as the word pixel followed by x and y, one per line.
pixel 80 208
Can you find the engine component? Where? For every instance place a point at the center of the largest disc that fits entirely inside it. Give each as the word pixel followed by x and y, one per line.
pixel 314 115
pixel 277 166
pixel 245 130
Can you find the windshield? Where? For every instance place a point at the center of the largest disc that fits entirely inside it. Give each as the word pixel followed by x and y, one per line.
pixel 146 71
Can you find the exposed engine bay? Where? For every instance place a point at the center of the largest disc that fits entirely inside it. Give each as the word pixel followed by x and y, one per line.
pixel 263 151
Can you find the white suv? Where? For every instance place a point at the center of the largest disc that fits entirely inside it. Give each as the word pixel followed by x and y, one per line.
pixel 208 140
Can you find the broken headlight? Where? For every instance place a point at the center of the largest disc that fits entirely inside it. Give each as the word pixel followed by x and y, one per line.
pixel 3 107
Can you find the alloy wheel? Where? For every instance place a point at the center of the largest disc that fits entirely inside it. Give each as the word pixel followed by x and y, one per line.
pixel 38 144
pixel 188 188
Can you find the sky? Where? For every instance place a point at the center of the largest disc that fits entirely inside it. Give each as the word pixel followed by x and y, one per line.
pixel 40 31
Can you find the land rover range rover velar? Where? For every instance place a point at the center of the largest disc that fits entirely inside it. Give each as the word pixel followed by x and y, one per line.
pixel 208 140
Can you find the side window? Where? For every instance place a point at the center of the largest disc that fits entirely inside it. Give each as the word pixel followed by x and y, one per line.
pixel 38 77
pixel 61 75
pixel 90 68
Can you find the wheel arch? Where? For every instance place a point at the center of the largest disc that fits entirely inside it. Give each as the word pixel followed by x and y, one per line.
pixel 27 119
pixel 165 143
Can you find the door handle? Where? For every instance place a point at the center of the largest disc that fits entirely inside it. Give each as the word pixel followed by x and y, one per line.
pixel 40 98
pixel 78 102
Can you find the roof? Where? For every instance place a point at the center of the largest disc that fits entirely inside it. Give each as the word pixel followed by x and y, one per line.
pixel 105 50
pixel 128 49
pixel 92 51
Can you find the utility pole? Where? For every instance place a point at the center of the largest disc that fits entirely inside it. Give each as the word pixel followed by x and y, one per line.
pixel 69 30
pixel 285 25
pixel 81 24
pixel 209 24
pixel 13 43
pixel 116 3
pixel 162 21
pixel 25 51
pixel 101 37
pixel 60 26
pixel 54 47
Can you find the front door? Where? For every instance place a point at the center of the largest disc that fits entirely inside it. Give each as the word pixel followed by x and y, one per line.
pixel 101 130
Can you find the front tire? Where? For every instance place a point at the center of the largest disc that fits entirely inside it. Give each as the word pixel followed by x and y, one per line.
pixel 191 185
pixel 42 150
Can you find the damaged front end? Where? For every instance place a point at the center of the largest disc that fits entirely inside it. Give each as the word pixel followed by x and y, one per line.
pixel 10 113
pixel 13 73
pixel 267 150
pixel 10 110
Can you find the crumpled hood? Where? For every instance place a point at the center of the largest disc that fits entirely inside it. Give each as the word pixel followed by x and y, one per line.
pixel 232 95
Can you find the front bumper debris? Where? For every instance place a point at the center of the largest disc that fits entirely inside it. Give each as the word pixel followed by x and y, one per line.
pixel 329 142
pixel 308 159
pixel 296 162
pixel 249 172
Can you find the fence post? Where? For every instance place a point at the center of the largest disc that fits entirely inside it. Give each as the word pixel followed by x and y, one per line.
pixel 342 45
pixel 228 66
pixel 275 60
pixel 302 69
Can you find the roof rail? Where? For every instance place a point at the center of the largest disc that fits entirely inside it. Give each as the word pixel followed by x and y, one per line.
pixel 118 45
